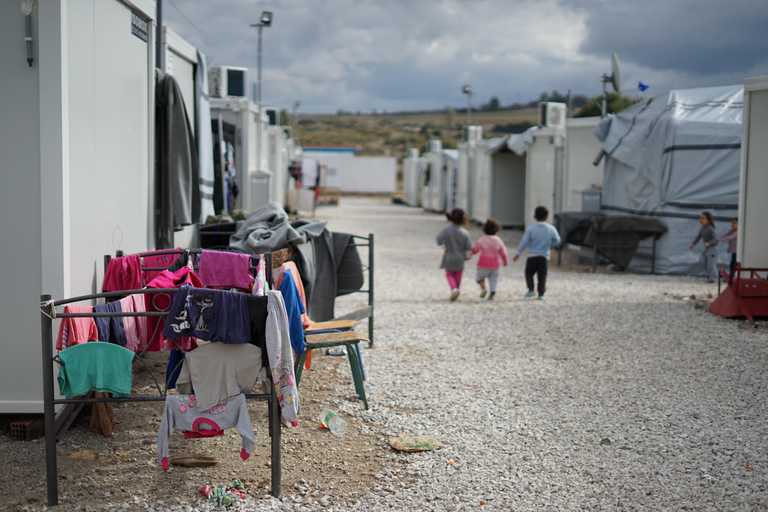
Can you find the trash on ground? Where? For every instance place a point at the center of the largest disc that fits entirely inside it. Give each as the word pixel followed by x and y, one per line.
pixel 83 455
pixel 331 421
pixel 194 461
pixel 413 444
pixel 223 495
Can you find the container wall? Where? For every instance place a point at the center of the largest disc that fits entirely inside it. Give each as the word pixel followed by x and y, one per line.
pixel 20 370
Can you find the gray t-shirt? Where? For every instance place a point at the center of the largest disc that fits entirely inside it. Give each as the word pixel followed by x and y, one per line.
pixel 457 244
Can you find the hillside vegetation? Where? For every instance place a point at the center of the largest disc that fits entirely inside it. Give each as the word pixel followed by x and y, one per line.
pixel 394 134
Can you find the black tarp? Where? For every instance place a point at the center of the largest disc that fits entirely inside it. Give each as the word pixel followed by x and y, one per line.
pixel 617 236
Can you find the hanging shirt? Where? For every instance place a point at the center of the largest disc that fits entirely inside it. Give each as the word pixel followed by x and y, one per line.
pixel 73 331
pixel 280 355
pixel 182 413
pixel 97 366
pixel 295 312
pixel 161 302
pixel 219 371
pixel 211 315
pixel 123 273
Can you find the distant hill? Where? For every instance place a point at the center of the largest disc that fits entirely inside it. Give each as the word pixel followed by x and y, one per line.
pixel 394 133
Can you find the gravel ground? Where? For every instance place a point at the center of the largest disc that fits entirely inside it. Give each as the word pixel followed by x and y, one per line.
pixel 613 394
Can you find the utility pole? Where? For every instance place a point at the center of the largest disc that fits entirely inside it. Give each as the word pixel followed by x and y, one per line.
pixel 264 21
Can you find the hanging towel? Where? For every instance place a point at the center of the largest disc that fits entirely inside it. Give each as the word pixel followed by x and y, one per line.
pixel 134 327
pixel 183 414
pixel 73 331
pixel 123 273
pixel 96 366
pixel 221 269
pixel 291 268
pixel 295 312
pixel 110 327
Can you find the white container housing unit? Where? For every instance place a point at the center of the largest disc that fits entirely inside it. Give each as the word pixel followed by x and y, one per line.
pixel 451 174
pixel 237 118
pixel 434 197
pixel 412 176
pixel 753 208
pixel 514 174
pixel 579 174
pixel 77 160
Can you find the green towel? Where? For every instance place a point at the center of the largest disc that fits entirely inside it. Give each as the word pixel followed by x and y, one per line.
pixel 95 366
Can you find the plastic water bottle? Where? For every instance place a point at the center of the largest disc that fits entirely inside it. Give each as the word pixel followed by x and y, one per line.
pixel 333 422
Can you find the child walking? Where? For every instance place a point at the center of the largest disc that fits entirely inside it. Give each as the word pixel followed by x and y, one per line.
pixel 492 255
pixel 457 244
pixel 538 239
pixel 707 237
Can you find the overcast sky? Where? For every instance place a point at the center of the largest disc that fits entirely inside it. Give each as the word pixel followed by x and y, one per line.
pixel 416 54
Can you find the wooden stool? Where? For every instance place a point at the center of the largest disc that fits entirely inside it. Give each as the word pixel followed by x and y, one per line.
pixel 347 339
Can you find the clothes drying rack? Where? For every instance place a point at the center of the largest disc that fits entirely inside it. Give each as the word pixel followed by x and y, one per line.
pixel 48 313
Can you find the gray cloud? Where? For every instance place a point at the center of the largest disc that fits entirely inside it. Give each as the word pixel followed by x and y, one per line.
pixel 401 54
pixel 703 37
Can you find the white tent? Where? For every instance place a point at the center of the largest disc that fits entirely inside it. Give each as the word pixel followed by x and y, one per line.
pixel 514 174
pixel 672 157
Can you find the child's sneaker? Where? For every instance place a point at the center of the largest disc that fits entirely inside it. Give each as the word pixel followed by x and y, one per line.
pixel 483 293
pixel 492 295
pixel 454 295
pixel 540 297
pixel 529 295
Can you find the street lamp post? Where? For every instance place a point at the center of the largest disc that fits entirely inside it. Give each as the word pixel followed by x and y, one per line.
pixel 466 89
pixel 264 21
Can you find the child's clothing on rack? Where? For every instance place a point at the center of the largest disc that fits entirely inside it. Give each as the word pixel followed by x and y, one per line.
pixel 95 366
pixel 182 413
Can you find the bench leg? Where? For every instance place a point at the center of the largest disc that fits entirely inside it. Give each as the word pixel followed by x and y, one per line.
pixel 357 373
pixel 300 367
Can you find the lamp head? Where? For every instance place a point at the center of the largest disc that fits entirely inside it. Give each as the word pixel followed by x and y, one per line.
pixel 27 6
pixel 466 89
pixel 266 18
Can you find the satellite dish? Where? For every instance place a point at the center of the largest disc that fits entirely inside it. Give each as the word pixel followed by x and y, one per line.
pixel 615 73
pixel 614 79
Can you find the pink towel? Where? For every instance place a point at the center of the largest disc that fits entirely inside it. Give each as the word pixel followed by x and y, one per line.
pixel 220 269
pixel 135 327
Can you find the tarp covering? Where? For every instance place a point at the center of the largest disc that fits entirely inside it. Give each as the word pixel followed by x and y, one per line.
pixel 617 236
pixel 672 157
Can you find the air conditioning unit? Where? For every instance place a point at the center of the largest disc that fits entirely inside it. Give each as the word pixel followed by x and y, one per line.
pixel 435 145
pixel 227 82
pixel 552 115
pixel 473 134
